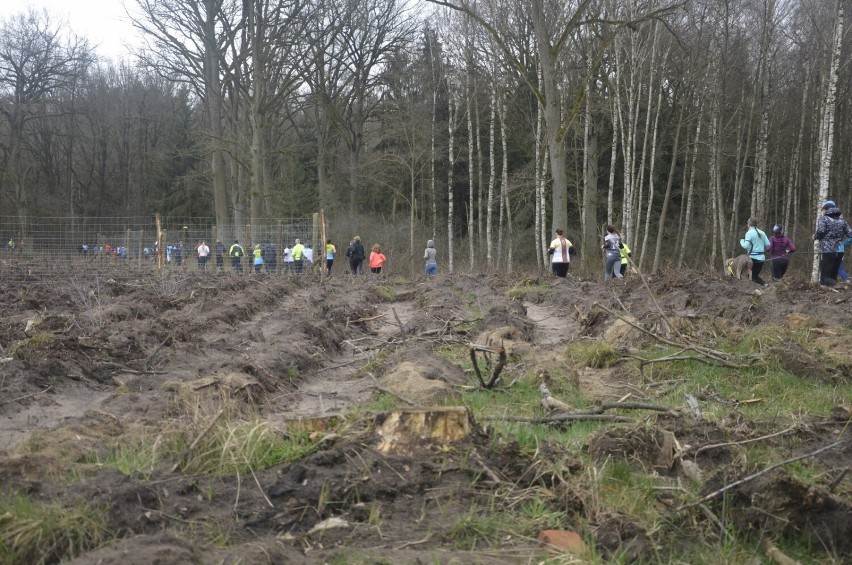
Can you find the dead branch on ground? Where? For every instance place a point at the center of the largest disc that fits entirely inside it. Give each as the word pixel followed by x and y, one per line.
pixel 706 355
pixel 26 396
pixel 753 476
pixel 474 348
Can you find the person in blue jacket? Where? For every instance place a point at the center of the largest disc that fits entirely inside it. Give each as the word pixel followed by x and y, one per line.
pixel 755 243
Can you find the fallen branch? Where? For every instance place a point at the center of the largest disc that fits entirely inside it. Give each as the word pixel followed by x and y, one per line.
pixel 26 396
pixel 497 370
pixel 753 476
pixel 551 404
pixel 771 551
pixel 361 320
pixel 726 444
pixel 558 418
pixel 717 356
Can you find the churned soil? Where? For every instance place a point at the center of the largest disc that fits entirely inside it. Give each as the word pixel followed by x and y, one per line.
pixel 86 364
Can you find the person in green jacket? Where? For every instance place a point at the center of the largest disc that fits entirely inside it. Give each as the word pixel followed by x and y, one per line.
pixel 236 254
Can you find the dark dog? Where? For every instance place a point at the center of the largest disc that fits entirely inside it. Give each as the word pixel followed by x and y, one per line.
pixel 739 266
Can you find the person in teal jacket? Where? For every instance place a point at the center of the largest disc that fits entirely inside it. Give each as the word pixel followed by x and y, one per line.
pixel 755 243
pixel 842 275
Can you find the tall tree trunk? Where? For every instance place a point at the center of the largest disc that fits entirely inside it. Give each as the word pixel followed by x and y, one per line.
pixel 684 235
pixel 451 163
pixel 492 142
pixel 667 197
pixel 826 130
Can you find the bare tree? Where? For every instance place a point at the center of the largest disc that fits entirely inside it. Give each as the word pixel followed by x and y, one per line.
pixel 37 62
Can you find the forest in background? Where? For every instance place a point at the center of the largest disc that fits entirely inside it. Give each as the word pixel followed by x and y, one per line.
pixel 483 125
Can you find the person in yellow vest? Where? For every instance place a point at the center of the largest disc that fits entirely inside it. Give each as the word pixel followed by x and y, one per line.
pixel 298 256
pixel 236 254
pixel 625 255
pixel 330 250
pixel 257 260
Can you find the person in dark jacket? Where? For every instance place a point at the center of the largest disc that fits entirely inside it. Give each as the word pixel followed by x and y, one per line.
pixel 356 255
pixel 220 255
pixel 270 257
pixel 780 248
pixel 831 232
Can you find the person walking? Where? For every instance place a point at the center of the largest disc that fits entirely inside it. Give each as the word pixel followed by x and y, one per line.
pixel 270 256
pixel 780 248
pixel 298 253
pixel 560 253
pixel 356 255
pixel 430 255
pixel 831 231
pixel 330 250
pixel 220 256
pixel 257 258
pixel 755 243
pixel 625 253
pixel 612 253
pixel 236 253
pixel 842 275
pixel 377 259
pixel 203 253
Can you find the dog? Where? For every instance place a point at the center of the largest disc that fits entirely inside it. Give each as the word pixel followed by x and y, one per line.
pixel 739 266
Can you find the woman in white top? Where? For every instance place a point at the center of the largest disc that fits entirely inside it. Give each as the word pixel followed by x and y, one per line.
pixel 560 251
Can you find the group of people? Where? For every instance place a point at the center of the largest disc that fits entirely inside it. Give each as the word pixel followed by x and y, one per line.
pixel 832 232
pixel 616 254
pixel 264 256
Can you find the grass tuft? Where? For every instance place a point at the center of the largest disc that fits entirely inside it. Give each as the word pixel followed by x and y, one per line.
pixel 34 532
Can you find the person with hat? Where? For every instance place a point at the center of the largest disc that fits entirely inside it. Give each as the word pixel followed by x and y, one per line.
pixel 831 231
pixel 780 248
pixel 755 243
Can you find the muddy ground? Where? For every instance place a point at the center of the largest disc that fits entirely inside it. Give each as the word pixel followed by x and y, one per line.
pixel 94 362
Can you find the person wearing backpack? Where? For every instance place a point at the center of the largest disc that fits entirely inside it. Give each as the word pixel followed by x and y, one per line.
pixel 756 244
pixel 831 232
pixel 236 254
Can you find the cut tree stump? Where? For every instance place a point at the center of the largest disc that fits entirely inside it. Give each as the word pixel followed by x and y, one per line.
pixel 407 430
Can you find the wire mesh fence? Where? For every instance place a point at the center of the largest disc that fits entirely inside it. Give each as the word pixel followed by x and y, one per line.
pixel 129 247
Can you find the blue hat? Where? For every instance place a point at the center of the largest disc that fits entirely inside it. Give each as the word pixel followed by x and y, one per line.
pixel 829 204
pixel 776 228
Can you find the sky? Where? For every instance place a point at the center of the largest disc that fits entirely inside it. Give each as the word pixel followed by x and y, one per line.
pixel 103 22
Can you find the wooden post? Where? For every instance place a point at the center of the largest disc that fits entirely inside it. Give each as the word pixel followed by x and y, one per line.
pixel 160 250
pixel 279 249
pixel 321 258
pixel 139 249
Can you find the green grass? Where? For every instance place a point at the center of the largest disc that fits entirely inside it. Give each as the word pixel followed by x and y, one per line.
pixel 38 532
pixel 228 448
pixel 521 291
pixel 595 354
pixel 385 293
